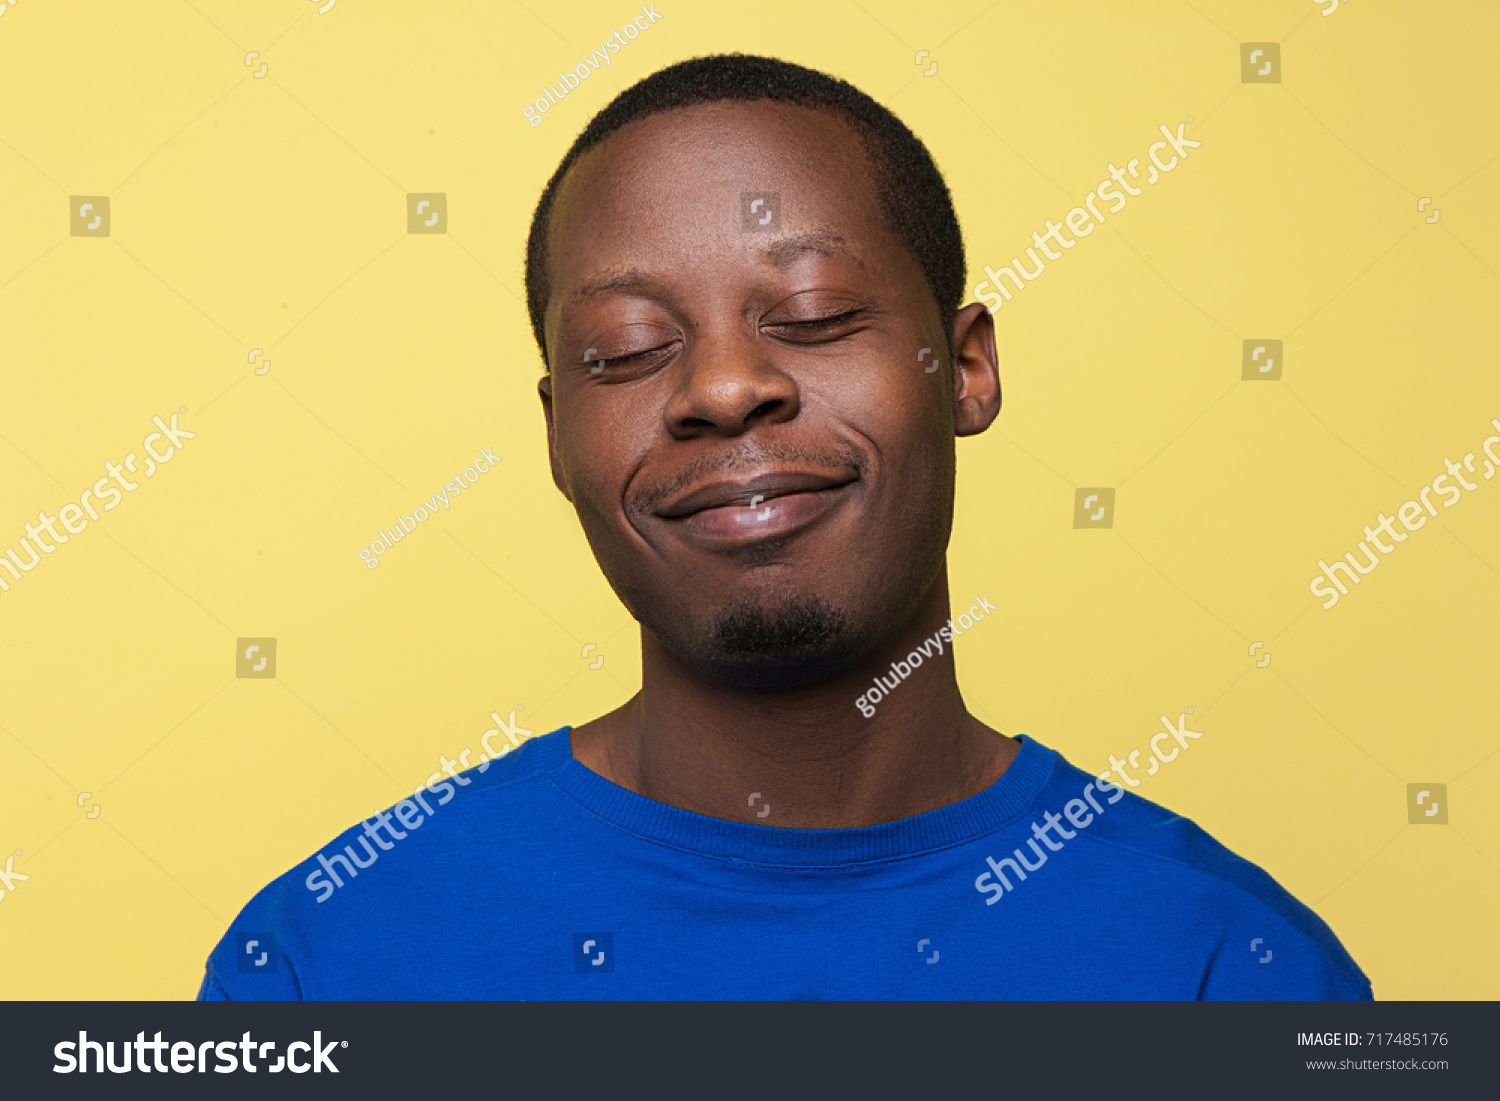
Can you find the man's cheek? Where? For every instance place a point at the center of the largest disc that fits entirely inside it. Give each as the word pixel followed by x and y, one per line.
pixel 586 447
pixel 596 469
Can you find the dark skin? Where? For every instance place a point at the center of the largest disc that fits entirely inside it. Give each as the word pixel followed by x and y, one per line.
pixel 743 423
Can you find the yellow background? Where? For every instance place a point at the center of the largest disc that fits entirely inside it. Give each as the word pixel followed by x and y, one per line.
pixel 269 212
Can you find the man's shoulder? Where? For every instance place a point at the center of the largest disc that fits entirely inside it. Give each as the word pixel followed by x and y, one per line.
pixel 531 760
pixel 453 812
pixel 456 824
pixel 1159 857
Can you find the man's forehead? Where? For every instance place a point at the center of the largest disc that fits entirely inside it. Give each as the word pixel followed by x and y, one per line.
pixel 775 253
pixel 734 130
pixel 697 168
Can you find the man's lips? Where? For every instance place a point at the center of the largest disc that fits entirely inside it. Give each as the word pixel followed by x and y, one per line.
pixel 749 491
pixel 746 510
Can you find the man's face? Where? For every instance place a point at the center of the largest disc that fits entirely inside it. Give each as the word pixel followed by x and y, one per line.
pixel 744 415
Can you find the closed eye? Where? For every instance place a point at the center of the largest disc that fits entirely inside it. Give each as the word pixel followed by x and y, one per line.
pixel 599 364
pixel 818 326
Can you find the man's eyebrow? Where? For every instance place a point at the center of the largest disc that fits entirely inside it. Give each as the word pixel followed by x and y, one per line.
pixel 779 253
pixel 614 280
pixel 825 242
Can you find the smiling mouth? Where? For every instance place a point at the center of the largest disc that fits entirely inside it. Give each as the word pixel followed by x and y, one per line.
pixel 772 505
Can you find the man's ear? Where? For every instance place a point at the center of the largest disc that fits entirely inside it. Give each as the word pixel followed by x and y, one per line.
pixel 976 371
pixel 544 391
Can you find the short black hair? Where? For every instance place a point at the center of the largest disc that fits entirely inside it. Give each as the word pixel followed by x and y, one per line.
pixel 913 196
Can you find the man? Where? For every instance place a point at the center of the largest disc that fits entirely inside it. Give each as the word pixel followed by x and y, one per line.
pixel 746 279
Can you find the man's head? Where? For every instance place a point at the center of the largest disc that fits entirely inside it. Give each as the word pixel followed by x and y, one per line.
pixel 752 404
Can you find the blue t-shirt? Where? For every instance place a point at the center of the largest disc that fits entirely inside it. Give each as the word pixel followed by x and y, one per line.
pixel 532 877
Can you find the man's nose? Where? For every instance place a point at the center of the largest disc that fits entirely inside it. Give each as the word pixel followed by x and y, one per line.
pixel 728 387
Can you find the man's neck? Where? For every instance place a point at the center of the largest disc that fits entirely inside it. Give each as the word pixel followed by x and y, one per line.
pixel 808 753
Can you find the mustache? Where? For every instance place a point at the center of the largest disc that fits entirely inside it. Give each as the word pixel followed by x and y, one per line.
pixel 749 457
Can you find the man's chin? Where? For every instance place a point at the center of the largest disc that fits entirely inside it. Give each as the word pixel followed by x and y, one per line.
pixel 764 644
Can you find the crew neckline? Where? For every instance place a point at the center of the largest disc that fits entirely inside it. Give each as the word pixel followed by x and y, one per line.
pixel 984 812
